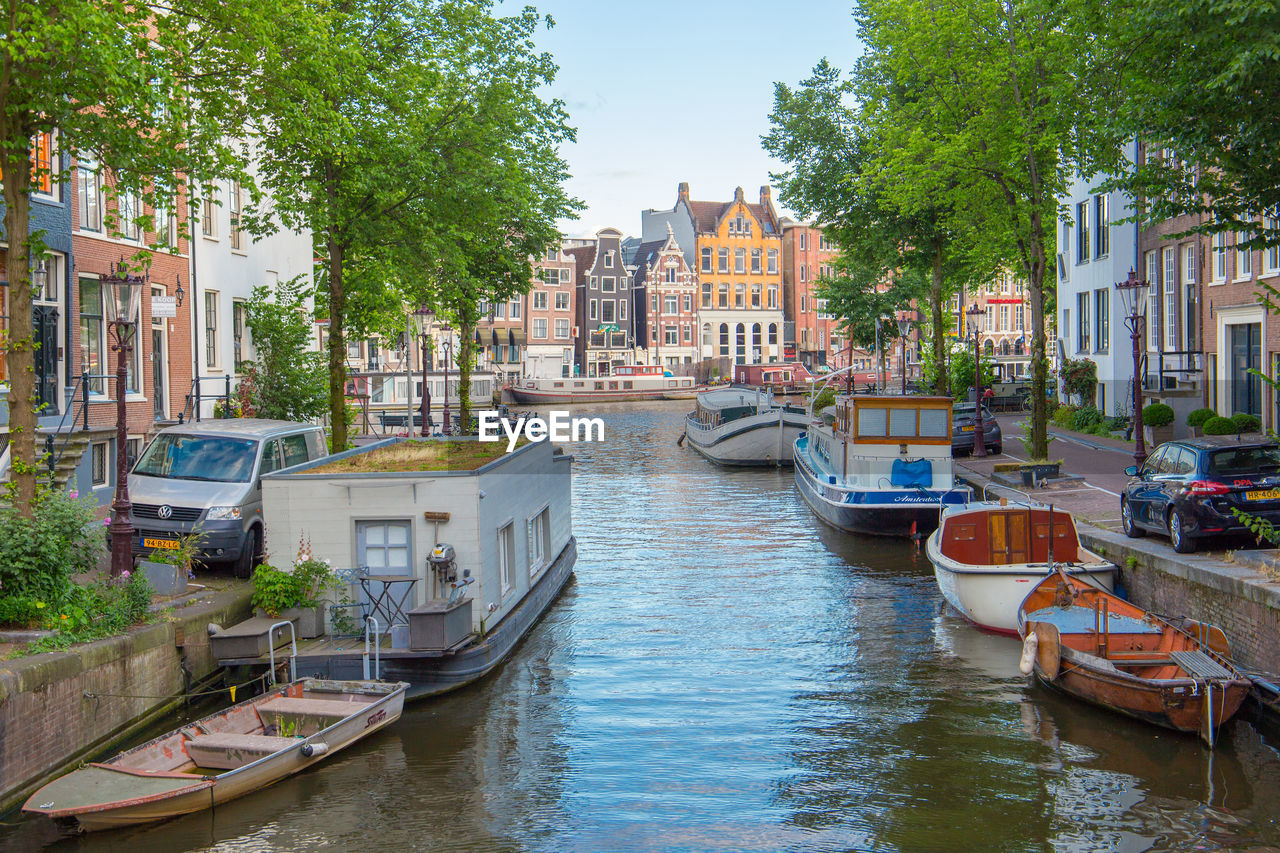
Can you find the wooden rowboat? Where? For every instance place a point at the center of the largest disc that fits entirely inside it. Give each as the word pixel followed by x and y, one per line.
pixel 1099 648
pixel 222 756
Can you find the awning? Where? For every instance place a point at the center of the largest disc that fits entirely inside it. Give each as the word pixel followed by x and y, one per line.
pixel 478 340
pixel 517 337
pixel 495 340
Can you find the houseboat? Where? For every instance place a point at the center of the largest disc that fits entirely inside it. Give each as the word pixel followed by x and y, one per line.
pixel 627 383
pixel 452 550
pixel 744 426
pixel 784 378
pixel 988 555
pixel 879 465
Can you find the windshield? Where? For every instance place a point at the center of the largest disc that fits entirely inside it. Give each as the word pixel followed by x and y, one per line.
pixel 199 457
pixel 1245 460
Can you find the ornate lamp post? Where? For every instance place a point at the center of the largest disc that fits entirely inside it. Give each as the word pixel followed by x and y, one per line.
pixel 124 300
pixel 422 320
pixel 448 351
pixel 904 329
pixel 974 312
pixel 1133 298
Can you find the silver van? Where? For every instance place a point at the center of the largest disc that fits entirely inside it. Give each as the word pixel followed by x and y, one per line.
pixel 209 474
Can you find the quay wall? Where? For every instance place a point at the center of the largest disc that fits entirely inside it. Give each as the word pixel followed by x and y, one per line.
pixel 59 709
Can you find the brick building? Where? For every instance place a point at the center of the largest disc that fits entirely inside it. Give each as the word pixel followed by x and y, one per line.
pixel 666 313
pixel 550 317
pixel 812 333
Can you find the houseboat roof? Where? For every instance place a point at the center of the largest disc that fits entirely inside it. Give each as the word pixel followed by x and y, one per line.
pixel 894 419
pixel 726 398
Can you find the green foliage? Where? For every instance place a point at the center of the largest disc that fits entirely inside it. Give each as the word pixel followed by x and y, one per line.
pixel 1219 426
pixel 184 556
pixel 1157 415
pixel 1199 416
pixel 92 611
pixel 1246 423
pixel 1064 416
pixel 21 611
pixel 222 410
pixel 1261 528
pixel 824 399
pixel 962 371
pixel 1086 418
pixel 40 555
pixel 1080 378
pixel 285 379
pixel 275 590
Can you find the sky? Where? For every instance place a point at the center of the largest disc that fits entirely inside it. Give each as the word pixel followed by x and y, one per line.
pixel 678 90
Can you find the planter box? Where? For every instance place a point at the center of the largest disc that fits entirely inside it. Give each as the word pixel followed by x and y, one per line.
pixel 1196 432
pixel 1031 474
pixel 308 620
pixel 249 639
pixel 1158 435
pixel 439 625
pixel 165 578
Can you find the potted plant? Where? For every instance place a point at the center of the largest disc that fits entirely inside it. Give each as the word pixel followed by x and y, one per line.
pixel 1157 423
pixel 1038 470
pixel 1219 426
pixel 295 594
pixel 169 569
pixel 1246 423
pixel 1196 420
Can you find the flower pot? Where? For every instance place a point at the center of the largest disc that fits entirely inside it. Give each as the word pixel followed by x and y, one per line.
pixel 165 578
pixel 308 621
pixel 1157 435
pixel 1196 432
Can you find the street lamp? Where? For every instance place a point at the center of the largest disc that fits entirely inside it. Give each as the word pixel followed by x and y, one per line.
pixel 422 320
pixel 979 441
pixel 904 329
pixel 447 429
pixel 124 299
pixel 1133 298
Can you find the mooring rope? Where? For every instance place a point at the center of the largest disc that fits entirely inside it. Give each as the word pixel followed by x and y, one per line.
pixel 232 689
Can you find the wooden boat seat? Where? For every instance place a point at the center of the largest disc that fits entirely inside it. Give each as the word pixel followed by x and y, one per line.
pixel 1197 664
pixel 227 751
pixel 336 708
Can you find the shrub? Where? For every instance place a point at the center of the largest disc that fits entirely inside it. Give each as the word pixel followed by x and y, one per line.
pixel 1064 415
pixel 20 611
pixel 40 555
pixel 275 590
pixel 1219 426
pixel 1085 418
pixel 1080 378
pixel 826 398
pixel 1157 415
pixel 1246 423
pixel 1199 416
pixel 1117 423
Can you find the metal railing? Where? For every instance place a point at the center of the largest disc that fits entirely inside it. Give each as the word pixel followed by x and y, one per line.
pixel 78 410
pixel 191 406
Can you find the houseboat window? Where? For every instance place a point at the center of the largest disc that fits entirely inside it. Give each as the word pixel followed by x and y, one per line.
pixel 671 383
pixel 539 540
pixel 902 422
pixel 627 386
pixel 613 386
pixel 557 384
pixel 599 386
pixel 686 382
pixel 383 546
pixel 506 554
pixel 933 423
pixel 578 384
pixel 872 422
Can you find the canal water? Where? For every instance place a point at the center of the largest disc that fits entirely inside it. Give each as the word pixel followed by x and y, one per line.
pixel 727 674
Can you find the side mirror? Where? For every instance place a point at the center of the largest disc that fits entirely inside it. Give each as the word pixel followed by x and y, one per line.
pixel 1131 471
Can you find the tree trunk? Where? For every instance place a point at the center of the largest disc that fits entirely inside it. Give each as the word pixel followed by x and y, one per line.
pixel 466 349
pixel 337 346
pixel 1039 360
pixel 941 380
pixel 20 364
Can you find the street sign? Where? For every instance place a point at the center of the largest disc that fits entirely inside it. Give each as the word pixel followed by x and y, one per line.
pixel 164 306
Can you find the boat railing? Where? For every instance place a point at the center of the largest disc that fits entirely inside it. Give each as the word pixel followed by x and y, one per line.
pixel 377 655
pixel 293 651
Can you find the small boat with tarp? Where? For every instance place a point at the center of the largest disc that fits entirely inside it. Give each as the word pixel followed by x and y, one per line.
pixel 744 426
pixel 224 755
pixel 1090 644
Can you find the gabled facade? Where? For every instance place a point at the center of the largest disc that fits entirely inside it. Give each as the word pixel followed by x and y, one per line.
pixel 606 317
pixel 737 255
pixel 551 317
pixel 666 312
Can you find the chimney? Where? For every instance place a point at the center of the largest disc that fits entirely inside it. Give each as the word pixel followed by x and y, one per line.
pixel 683 193
pixel 737 194
pixel 764 196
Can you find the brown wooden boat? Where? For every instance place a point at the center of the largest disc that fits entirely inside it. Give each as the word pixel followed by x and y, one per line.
pixel 1094 646
pixel 225 755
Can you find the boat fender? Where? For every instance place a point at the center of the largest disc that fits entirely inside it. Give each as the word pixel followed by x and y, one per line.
pixel 1027 664
pixel 311 750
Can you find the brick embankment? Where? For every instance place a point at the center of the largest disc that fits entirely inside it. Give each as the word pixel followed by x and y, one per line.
pixel 1238 591
pixel 61 708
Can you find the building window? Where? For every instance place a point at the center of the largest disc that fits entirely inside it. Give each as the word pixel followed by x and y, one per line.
pixel 515 309
pixel 671 304
pixel 1171 297
pixel 540 300
pixel 506 555
pixel 1082 232
pixel 1189 287
pixel 234 232
pixel 539 540
pixel 1220 256
pixel 804 303
pixel 562 302
pixel 208 214
pixel 1244 258
pixel 802 241
pixel 755 296
pixel 670 335
pixel 562 329
pixel 1018 318
pixel 1101 320
pixel 688 333
pixel 1101 226
pixel 755 260
pixel 706 259
pixel 383 546
pixel 539 327
pixel 44 163
pixel 606 310
pixel 606 284
pixel 622 309
pixel 1153 300
pixel 804 273
pixel 93 350
pixel 740 261
pixel 99 473
pixel 238 352
pixel 608 259
pixel 129 208
pixel 722 256
pixel 1271 255
pixel 211 328
pixel 773 333
pixel 724 339
pixel 773 261
pixel 1082 322
pixel 773 296
pixel 723 301
pixel 740 295
pixel 706 294
pixel 89 194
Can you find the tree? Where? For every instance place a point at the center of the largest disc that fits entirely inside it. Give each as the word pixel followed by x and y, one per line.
pixel 285 378
pixel 145 92
pixel 980 105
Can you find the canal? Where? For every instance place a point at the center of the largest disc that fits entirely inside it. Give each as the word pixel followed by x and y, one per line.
pixel 726 674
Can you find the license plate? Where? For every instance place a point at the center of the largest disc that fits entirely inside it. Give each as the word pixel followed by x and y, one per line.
pixel 966 429
pixel 1267 495
pixel 160 543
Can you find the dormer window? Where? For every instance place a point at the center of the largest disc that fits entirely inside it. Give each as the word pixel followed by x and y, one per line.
pixel 608 259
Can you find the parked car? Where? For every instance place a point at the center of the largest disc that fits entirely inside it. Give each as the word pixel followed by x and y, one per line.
pixel 964 423
pixel 1188 488
pixel 208 474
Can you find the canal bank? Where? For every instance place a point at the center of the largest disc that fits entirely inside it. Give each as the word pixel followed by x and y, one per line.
pixel 1237 590
pixel 59 709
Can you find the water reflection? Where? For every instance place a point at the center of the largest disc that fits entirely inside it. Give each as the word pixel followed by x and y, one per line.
pixel 729 674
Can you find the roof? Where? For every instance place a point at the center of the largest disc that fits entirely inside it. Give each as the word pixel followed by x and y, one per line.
pixel 584 259
pixel 645 254
pixel 239 427
pixel 1217 442
pixel 707 215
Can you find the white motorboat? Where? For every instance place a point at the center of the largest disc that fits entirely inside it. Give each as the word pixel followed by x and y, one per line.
pixel 744 426
pixel 987 556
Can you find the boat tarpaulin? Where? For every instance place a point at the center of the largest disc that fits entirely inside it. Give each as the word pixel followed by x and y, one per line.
pixel 906 474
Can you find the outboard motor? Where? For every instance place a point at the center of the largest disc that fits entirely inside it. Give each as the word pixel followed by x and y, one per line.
pixel 443 561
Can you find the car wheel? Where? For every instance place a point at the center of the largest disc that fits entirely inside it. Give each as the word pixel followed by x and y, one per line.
pixel 1131 529
pixel 249 554
pixel 999 448
pixel 1182 542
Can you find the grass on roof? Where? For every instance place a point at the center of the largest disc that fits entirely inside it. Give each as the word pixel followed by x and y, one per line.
pixel 437 455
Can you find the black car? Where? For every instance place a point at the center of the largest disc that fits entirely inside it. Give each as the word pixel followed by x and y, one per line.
pixel 964 425
pixel 1188 488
